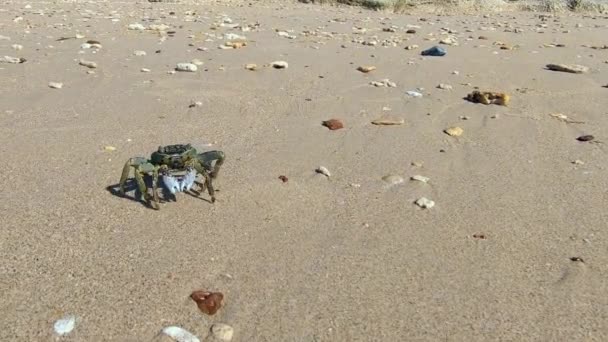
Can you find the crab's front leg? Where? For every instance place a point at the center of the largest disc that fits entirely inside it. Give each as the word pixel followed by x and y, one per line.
pixel 207 158
pixel 203 171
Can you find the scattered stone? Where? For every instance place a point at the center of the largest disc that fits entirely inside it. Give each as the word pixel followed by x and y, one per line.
pixel 436 51
pixel 280 65
pixel 384 83
pixel 88 64
pixel 585 138
pixel 454 131
pixel 109 148
pixel 413 93
pixel 139 53
pixel 188 67
pixel 571 68
pixel 12 60
pixel 136 27
pixel 366 69
pixel 323 170
pixel 251 66
pixel 233 45
pixel 388 121
pixel 464 117
pixel 284 179
pixel 180 334
pixel 222 332
pixel 425 203
pixel 479 236
pixel 197 62
pixel 444 86
pixel 420 178
pixel 17 47
pixel 393 179
pixel 145 70
pixel 56 85
pixel 578 162
pixel 65 325
pixel 208 302
pixel 577 259
pixel 410 31
pixel 333 124
pixel 482 38
pixel 488 97
pixel 448 41
pixel 411 47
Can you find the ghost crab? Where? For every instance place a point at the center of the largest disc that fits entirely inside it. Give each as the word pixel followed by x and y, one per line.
pixel 178 166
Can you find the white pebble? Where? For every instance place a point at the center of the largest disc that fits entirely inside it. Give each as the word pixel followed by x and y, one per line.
pixel 222 332
pixel 189 67
pixel 197 61
pixel 17 47
pixel 393 179
pixel 136 27
pixel 9 59
pixel 323 170
pixel 180 334
pixel 145 70
pixel 280 65
pixel 56 85
pixel 139 53
pixel 65 325
pixel 425 203
pixel 413 93
pixel 420 178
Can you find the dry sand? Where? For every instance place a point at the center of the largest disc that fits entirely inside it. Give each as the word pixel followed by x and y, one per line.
pixel 315 258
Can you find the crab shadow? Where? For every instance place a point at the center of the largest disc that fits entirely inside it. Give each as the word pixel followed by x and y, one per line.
pixel 132 192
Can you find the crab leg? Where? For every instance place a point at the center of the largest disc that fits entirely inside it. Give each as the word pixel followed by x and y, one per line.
pixel 200 169
pixel 125 175
pixel 155 187
pixel 139 177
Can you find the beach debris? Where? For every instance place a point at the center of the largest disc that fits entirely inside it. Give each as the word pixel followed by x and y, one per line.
pixel 180 334
pixel 454 131
pixel 480 236
pixel 444 86
pixel 139 53
pixel 448 41
pixel 144 70
pixel 222 332
pixel 88 64
pixel 284 179
pixel 333 124
pixel 12 60
pixel 565 118
pixel 188 67
pixel 208 302
pixel 65 325
pixel 366 68
pixel 109 148
pixel 384 83
pixel 393 179
pixel 388 121
pixel 323 170
pixel 251 66
pixel 425 203
pixel 583 138
pixel 411 47
pixel 279 65
pixel 420 178
pixel 56 85
pixel 578 162
pixel 136 27
pixel 233 45
pixel 488 97
pixel 571 68
pixel 17 47
pixel 577 259
pixel 413 93
pixel 435 51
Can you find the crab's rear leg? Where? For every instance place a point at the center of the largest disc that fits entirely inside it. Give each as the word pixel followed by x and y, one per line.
pixel 203 171
pixel 141 166
pixel 207 158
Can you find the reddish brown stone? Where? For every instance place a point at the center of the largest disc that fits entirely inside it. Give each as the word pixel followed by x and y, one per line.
pixel 208 302
pixel 333 124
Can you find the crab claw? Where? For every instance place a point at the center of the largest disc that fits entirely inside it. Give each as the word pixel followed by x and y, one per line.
pixel 171 183
pixel 188 181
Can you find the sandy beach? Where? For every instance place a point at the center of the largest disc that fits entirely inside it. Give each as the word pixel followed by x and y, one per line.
pixel 513 247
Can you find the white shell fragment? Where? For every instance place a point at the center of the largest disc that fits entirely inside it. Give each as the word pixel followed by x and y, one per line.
pixel 420 178
pixel 56 85
pixel 413 93
pixel 425 203
pixel 88 64
pixel 180 334
pixel 190 67
pixel 65 325
pixel 222 332
pixel 323 170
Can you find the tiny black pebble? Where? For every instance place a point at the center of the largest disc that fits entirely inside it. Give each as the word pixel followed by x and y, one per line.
pixel 585 138
pixel 579 259
pixel 442 151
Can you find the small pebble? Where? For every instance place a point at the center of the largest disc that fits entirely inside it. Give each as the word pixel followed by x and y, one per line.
pixel 578 162
pixel 585 138
pixel 251 66
pixel 388 121
pixel 109 148
pixel 413 93
pixel 323 170
pixel 145 70
pixel 425 203
pixel 222 332
pixel 333 124
pixel 571 68
pixel 366 69
pixel 180 334
pixel 56 85
pixel 139 53
pixel 188 67
pixel 444 86
pixel 420 178
pixel 65 325
pixel 280 65
pixel 454 131
pixel 88 64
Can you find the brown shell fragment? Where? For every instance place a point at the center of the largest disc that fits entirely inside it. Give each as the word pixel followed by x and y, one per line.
pixel 333 124
pixel 208 302
pixel 366 69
